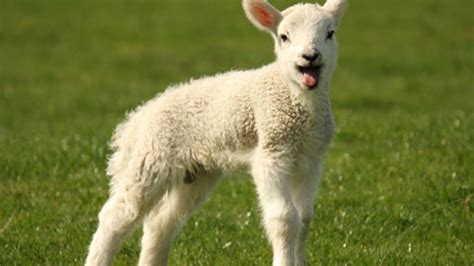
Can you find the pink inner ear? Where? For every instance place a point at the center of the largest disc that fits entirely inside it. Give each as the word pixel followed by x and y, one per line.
pixel 262 15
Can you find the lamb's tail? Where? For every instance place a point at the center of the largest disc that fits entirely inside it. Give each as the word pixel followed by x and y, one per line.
pixel 121 145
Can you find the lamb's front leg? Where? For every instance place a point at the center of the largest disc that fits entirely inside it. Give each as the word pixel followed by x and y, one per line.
pixel 280 217
pixel 303 188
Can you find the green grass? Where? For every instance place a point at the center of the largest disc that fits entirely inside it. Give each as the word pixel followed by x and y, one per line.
pixel 399 179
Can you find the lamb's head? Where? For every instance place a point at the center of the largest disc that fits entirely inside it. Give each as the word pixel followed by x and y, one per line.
pixel 305 39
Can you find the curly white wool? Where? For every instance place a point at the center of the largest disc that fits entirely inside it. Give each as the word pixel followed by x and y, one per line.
pixel 170 152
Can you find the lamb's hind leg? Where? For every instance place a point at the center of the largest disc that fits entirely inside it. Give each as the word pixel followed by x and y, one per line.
pixel 116 219
pixel 164 220
pixel 125 207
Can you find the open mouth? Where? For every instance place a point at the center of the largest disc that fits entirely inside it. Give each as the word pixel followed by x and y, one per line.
pixel 311 75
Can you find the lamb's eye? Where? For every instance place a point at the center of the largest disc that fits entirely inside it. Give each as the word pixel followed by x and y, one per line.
pixel 330 35
pixel 284 37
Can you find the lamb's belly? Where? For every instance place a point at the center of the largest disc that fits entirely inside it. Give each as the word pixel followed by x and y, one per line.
pixel 232 149
pixel 232 137
pixel 233 160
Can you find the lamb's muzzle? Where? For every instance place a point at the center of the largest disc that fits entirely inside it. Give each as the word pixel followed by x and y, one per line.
pixel 312 57
pixel 310 75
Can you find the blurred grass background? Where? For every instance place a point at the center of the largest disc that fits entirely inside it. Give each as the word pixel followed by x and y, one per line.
pixel 398 182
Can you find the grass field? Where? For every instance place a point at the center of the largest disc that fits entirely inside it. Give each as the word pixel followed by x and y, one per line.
pixel 399 179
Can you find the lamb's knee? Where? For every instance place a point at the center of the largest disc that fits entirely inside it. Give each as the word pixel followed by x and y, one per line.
pixel 284 224
pixel 118 215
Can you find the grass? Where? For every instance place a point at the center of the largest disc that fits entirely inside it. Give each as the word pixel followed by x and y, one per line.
pixel 399 181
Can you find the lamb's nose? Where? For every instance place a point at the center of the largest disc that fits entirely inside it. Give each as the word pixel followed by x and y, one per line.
pixel 312 57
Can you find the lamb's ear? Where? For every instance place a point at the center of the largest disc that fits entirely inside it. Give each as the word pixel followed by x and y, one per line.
pixel 262 14
pixel 336 8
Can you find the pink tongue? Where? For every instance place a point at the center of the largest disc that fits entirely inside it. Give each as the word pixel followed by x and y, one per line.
pixel 309 77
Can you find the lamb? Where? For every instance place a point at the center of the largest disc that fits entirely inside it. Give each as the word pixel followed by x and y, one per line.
pixel 276 120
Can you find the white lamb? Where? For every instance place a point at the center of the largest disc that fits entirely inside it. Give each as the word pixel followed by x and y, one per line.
pixel 276 120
